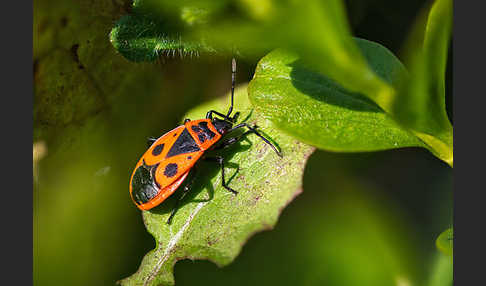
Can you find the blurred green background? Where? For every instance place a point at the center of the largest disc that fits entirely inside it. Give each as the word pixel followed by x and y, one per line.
pixel 363 219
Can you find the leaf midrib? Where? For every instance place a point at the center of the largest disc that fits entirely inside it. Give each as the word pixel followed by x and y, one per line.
pixel 173 243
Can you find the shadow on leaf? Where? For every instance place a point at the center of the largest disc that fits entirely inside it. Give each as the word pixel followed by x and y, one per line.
pixel 326 90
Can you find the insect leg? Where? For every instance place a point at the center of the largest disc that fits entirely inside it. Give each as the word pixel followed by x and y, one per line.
pixel 253 130
pixel 210 115
pixel 186 189
pixel 231 141
pixel 233 119
pixel 219 160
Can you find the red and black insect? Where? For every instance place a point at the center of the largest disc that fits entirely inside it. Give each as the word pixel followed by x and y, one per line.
pixel 172 157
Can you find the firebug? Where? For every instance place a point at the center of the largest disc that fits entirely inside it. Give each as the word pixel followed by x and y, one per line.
pixel 172 157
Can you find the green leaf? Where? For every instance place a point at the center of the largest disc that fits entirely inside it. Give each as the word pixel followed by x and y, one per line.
pixel 147 33
pixel 316 29
pixel 139 38
pixel 421 101
pixel 313 29
pixel 319 33
pixel 445 242
pixel 318 111
pixel 422 104
pixel 213 223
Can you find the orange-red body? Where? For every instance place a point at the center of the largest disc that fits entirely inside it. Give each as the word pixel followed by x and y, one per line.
pixel 168 169
pixel 170 158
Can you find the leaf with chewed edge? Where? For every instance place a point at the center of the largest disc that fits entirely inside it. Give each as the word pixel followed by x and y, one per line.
pixel 213 223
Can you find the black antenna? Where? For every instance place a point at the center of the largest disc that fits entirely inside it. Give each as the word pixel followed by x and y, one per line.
pixel 233 72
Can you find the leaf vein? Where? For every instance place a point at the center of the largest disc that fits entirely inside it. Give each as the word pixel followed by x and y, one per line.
pixel 172 243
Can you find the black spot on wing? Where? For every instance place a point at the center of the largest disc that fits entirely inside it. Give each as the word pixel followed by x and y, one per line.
pixel 184 144
pixel 201 137
pixel 205 129
pixel 196 128
pixel 158 149
pixel 203 132
pixel 170 170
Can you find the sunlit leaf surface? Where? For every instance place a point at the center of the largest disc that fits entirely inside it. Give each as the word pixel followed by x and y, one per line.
pixel 320 112
pixel 213 223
